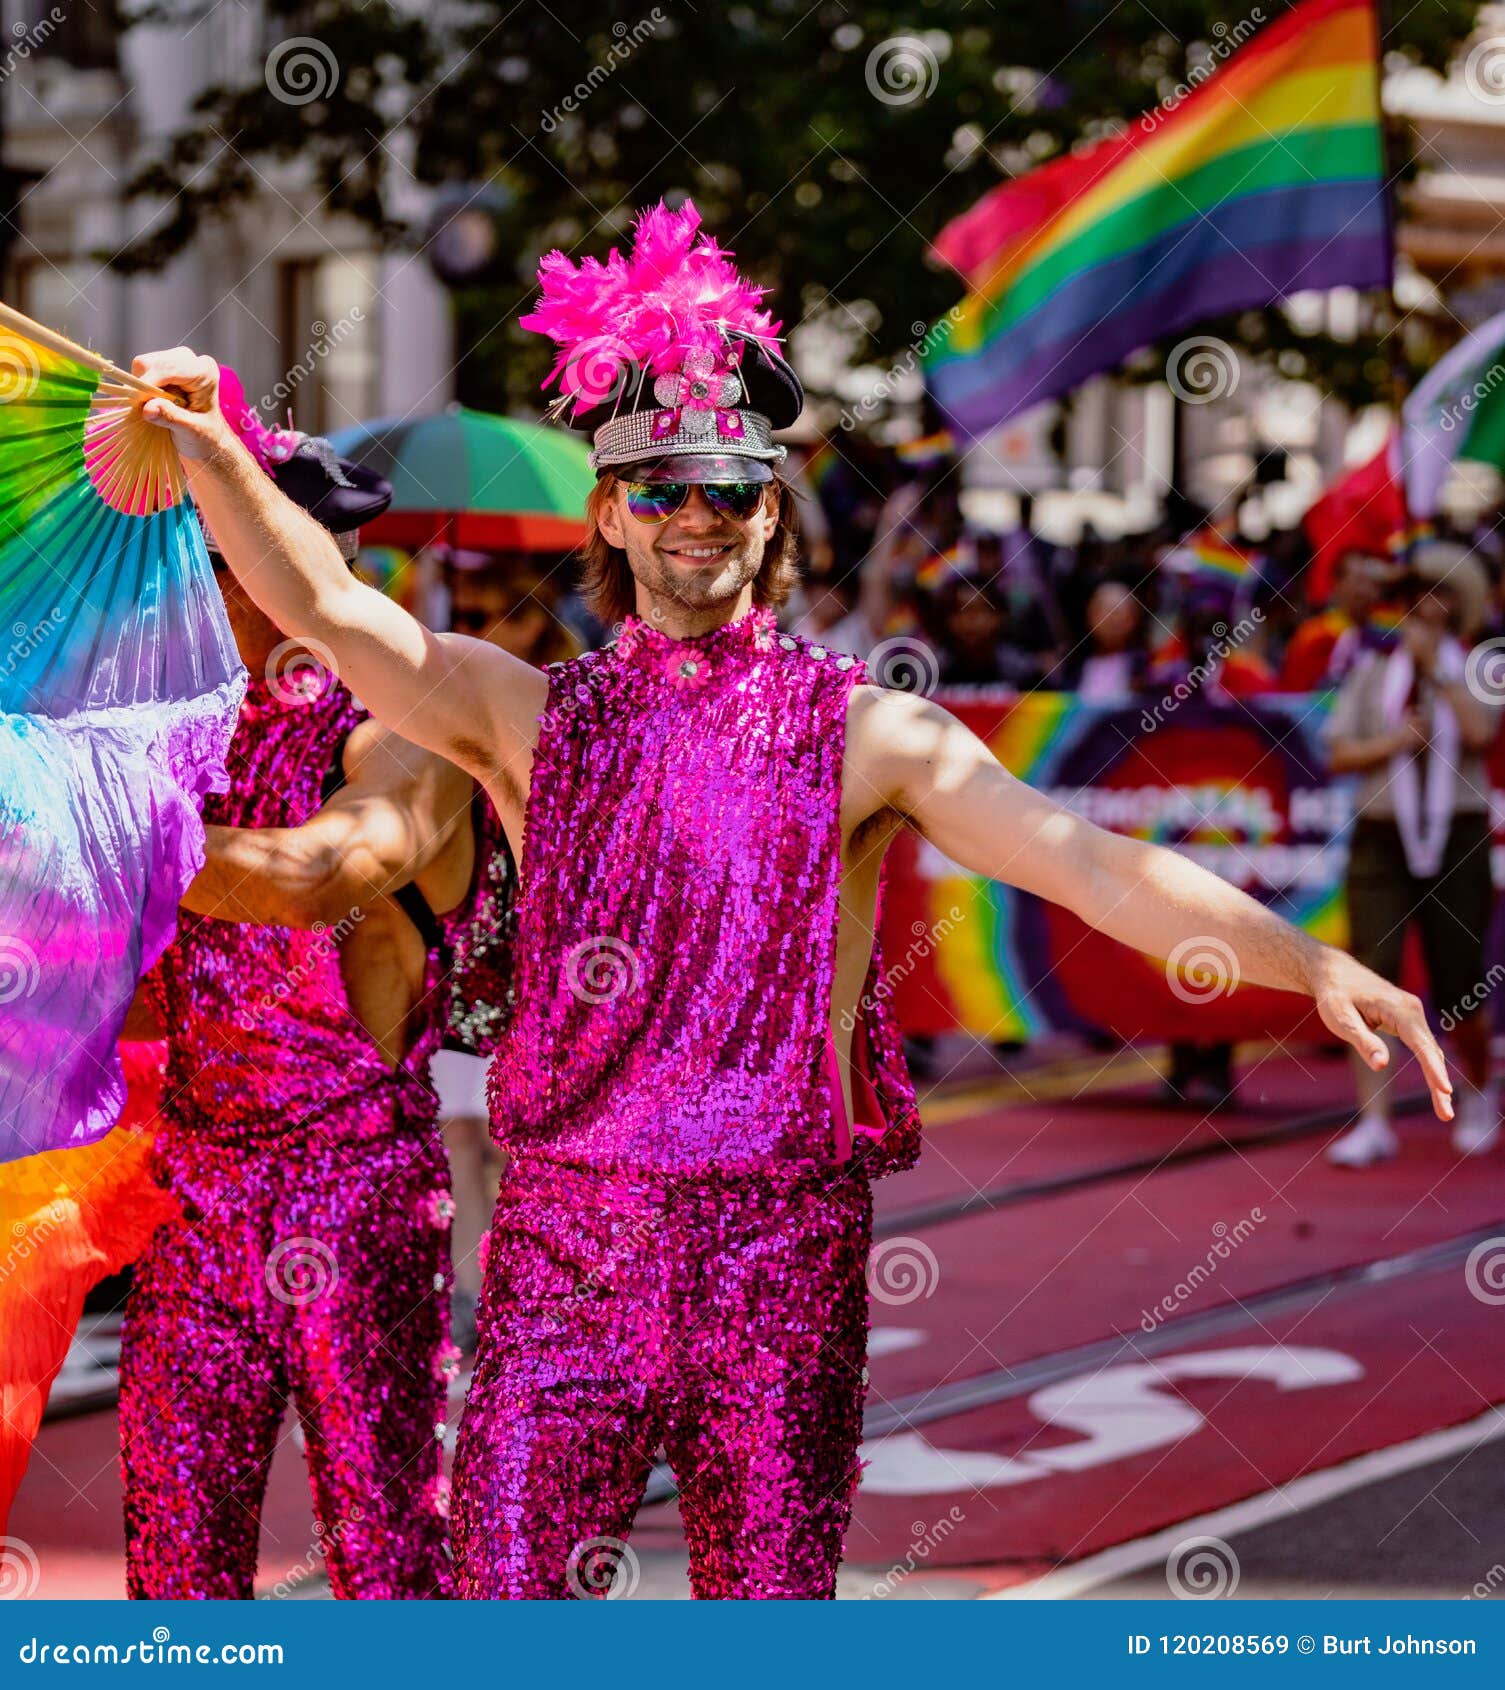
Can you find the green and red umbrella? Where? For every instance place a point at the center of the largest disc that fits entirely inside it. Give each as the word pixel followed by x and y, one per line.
pixel 468 478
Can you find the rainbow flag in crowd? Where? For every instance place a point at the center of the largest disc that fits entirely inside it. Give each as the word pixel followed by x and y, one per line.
pixel 1265 179
pixel 938 568
pixel 926 449
pixel 1216 559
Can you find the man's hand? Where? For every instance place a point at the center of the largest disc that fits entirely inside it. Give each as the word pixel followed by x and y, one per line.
pixel 1357 1005
pixel 198 426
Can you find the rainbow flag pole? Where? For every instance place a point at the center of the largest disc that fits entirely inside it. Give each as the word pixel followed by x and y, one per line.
pixel 1265 179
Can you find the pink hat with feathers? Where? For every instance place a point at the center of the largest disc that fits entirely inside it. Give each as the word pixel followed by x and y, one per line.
pixel 665 352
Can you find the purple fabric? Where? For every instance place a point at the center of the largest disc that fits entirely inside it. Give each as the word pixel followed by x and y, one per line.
pixel 100 834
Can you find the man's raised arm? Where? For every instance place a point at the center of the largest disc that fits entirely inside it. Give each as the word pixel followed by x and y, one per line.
pixel 466 699
pixel 930 768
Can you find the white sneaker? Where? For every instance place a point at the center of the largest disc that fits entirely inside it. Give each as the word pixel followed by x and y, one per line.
pixel 1370 1141
pixel 1476 1126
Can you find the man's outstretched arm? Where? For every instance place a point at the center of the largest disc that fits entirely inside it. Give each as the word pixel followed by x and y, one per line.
pixel 936 773
pixel 461 697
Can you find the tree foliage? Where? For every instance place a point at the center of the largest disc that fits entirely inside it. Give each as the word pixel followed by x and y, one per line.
pixel 826 144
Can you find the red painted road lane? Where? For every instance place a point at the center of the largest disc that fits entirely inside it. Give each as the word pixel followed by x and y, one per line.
pixel 1301 1391
pixel 1069 1269
pixel 1018 1142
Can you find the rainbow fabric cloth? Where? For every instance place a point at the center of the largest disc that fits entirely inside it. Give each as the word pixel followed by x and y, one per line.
pixel 119 691
pixel 1264 179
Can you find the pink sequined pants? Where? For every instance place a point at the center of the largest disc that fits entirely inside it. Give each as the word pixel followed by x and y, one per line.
pixel 725 1319
pixel 311 1272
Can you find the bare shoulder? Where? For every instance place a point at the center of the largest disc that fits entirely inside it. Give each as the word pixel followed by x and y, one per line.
pixel 886 727
pixel 886 731
pixel 513 693
pixel 378 760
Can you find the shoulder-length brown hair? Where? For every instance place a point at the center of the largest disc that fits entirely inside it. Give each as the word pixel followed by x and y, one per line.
pixel 606 581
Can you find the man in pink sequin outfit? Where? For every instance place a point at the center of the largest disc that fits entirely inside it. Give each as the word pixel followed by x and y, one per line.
pixel 301 1002
pixel 702 1073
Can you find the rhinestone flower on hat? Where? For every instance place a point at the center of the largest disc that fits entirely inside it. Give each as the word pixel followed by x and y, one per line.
pixel 698 398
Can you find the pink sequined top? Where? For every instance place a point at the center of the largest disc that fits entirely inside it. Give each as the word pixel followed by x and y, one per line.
pixel 677 914
pixel 262 1040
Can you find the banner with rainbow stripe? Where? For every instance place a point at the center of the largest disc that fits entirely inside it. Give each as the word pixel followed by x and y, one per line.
pixel 1265 179
pixel 1244 790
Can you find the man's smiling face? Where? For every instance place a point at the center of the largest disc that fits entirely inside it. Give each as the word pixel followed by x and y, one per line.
pixel 699 557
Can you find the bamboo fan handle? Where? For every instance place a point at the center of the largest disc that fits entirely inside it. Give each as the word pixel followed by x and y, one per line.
pixel 54 342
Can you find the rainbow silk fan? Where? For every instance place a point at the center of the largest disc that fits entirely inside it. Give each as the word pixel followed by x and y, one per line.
pixel 119 690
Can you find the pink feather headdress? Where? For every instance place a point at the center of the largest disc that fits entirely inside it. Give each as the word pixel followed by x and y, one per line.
pixel 672 305
pixel 266 444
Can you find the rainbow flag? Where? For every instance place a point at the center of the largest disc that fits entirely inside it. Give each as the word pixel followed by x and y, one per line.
pixel 1214 558
pixel 926 449
pixel 1265 179
pixel 939 567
